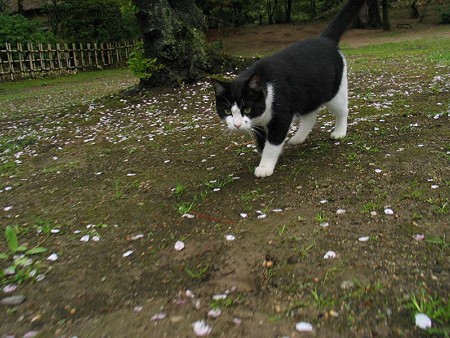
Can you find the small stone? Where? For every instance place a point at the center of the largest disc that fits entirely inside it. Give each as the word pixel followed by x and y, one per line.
pixel 13 300
pixel 347 284
pixel 176 319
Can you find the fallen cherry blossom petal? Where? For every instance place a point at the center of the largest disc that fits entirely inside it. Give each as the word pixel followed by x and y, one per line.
pixel 214 313
pixel 419 237
pixel 363 238
pixel 9 288
pixel 324 224
pixel 95 238
pixel 378 171
pixel 179 245
pixel 30 334
pixel 388 211
pixel 244 215
pixel 189 294
pixel 303 327
pixel 201 328
pixel 158 316
pixel 340 211
pixel 237 321
pixel 53 257
pixel 329 255
pixel 55 231
pixel 187 216
pixel 230 237
pixel 128 253
pixel 220 296
pixel 7 208
pixel 434 186
pixel 85 238
pixel 423 321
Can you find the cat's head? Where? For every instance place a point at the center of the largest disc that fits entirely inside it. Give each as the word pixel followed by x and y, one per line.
pixel 240 103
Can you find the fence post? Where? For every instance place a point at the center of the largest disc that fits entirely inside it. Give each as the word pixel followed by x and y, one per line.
pixel 58 56
pixel 50 56
pixel 10 60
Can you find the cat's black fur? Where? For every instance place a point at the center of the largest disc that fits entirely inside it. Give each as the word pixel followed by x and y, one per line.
pixel 302 78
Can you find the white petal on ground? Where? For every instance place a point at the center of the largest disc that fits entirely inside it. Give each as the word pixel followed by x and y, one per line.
pixel 9 288
pixel 378 171
pixel 419 237
pixel 388 211
pixel 434 186
pixel 158 316
pixel 330 254
pixel 303 327
pixel 179 245
pixel 201 328
pixel 244 215
pixel 7 208
pixel 277 210
pixel 85 238
pixel 261 216
pixel 324 224
pixel 340 211
pixel 95 238
pixel 219 297
pixel 230 237
pixel 128 253
pixel 214 313
pixel 363 238
pixel 53 257
pixel 189 294
pixel 423 321
pixel 187 216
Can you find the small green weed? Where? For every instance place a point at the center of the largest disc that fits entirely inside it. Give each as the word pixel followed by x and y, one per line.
pixel 437 308
pixel 320 217
pixel 21 267
pixel 197 273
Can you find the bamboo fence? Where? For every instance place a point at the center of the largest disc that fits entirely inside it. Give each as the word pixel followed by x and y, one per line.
pixel 31 60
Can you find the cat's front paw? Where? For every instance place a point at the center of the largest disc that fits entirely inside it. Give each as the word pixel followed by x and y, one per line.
pixel 338 134
pixel 263 171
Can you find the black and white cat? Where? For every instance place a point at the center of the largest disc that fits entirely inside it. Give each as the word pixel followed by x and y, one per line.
pixel 295 82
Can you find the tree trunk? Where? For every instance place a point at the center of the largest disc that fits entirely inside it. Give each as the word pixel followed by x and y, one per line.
pixel 288 10
pixel 386 21
pixel 271 8
pixel 369 16
pixel 173 33
pixel 413 10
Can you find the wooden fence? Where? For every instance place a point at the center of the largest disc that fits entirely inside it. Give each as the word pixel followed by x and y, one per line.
pixel 32 60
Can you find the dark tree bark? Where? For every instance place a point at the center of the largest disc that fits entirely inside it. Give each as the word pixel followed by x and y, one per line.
pixel 271 8
pixel 413 10
pixel 173 33
pixel 288 10
pixel 386 21
pixel 369 16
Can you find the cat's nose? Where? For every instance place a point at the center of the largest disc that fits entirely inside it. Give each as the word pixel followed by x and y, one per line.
pixel 238 125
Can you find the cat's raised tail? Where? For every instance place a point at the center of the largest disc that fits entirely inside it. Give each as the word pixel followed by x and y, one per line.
pixel 339 25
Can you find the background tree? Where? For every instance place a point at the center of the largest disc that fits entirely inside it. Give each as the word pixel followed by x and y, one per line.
pixel 173 33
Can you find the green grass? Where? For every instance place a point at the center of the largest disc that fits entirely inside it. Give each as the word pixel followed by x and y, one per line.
pixel 435 50
pixel 28 96
pixel 435 307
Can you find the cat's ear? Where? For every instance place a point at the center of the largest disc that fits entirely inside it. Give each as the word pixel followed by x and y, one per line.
pixel 255 83
pixel 219 87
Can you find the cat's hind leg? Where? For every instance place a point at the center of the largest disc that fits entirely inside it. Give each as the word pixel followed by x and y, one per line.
pixel 339 107
pixel 306 124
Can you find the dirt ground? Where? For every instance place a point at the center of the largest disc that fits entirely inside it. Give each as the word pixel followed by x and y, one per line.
pixel 139 174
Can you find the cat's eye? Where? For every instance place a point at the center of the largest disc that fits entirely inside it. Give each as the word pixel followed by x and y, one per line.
pixel 247 110
pixel 228 111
